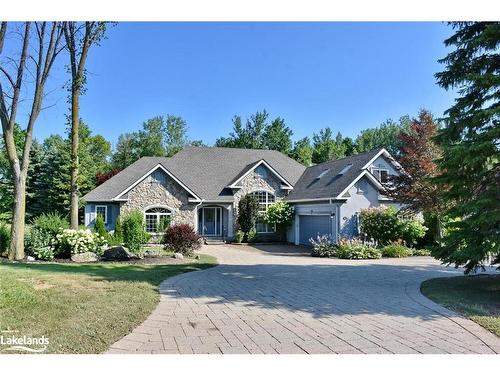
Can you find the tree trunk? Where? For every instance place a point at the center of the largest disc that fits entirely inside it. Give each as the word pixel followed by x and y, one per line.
pixel 18 216
pixel 439 230
pixel 75 122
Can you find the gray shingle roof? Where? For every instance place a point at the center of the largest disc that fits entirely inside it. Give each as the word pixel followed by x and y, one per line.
pixel 205 170
pixel 331 183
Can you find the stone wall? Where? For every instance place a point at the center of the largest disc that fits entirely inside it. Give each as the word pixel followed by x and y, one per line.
pixel 167 194
pixel 252 183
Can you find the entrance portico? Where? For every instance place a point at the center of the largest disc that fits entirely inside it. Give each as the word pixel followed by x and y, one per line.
pixel 215 220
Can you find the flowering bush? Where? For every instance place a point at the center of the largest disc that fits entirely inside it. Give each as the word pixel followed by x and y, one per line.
pixel 43 253
pixel 384 226
pixel 323 246
pixel 41 234
pixel 279 213
pixel 181 238
pixel 70 242
pixel 356 249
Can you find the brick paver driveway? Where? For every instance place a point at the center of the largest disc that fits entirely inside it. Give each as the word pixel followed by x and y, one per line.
pixel 277 300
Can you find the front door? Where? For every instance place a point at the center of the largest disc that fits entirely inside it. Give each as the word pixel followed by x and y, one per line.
pixel 212 221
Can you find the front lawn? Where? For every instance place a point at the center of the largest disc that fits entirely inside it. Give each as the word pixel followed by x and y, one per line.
pixel 476 297
pixel 82 308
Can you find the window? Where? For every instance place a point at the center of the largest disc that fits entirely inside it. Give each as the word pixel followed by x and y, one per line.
pixel 265 199
pixel 345 169
pixel 381 174
pixel 103 212
pixel 261 171
pixel 157 219
pixel 322 174
pixel 158 177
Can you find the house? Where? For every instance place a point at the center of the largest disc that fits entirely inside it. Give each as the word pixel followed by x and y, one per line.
pixel 202 186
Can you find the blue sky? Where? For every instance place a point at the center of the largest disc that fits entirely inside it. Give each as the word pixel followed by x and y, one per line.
pixel 349 76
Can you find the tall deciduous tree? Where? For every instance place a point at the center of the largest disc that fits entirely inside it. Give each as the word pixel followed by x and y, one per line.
pixel 471 141
pixel 303 151
pixel 326 147
pixel 79 39
pixel 386 135
pixel 278 136
pixel 38 61
pixel 415 186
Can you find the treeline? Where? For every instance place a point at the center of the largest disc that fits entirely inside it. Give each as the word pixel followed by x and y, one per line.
pixel 49 174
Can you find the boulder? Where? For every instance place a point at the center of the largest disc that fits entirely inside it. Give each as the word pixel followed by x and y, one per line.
pixel 30 259
pixel 87 257
pixel 152 253
pixel 178 256
pixel 118 253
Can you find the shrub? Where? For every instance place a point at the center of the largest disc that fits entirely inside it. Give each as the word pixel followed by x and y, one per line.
pixel 118 233
pixel 43 253
pixel 384 226
pixel 42 233
pixel 356 249
pixel 100 227
pixel 279 213
pixel 134 234
pixel 412 230
pixel 238 237
pixel 323 246
pixel 181 238
pixel 4 237
pixel 380 224
pixel 76 241
pixel 421 252
pixel 396 250
pixel 248 212
pixel 252 235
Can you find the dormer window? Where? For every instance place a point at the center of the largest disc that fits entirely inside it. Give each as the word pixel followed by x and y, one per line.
pixel 381 174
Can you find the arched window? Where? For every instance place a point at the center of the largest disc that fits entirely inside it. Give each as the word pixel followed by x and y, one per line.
pixel 265 199
pixel 157 219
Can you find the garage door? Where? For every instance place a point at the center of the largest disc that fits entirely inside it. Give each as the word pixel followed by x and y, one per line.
pixel 312 226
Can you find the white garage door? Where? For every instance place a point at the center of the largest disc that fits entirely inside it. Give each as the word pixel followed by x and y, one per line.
pixel 312 226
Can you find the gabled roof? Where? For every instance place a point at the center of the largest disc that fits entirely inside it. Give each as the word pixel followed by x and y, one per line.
pixel 253 166
pixel 324 181
pixel 206 171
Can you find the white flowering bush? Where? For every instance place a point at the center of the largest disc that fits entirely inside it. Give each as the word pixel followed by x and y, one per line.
pixel 356 248
pixel 279 213
pixel 70 242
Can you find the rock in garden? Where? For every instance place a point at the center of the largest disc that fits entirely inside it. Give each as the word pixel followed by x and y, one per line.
pixel 151 253
pixel 178 256
pixel 118 253
pixel 87 257
pixel 30 259
pixel 197 256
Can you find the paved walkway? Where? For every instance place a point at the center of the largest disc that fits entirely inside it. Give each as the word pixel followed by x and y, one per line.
pixel 277 300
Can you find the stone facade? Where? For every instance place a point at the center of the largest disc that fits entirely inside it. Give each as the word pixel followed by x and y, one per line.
pixel 168 193
pixel 253 182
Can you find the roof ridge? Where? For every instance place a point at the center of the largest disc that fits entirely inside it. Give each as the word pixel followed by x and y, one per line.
pixel 348 157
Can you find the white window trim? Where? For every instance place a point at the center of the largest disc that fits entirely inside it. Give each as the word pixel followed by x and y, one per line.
pixel 158 215
pixel 105 212
pixel 267 206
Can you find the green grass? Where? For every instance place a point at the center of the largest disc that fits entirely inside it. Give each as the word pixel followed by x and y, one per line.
pixel 476 297
pixel 82 308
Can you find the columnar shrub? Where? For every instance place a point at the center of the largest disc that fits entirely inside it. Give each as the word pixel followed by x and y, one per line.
pixel 248 212
pixel 76 241
pixel 100 227
pixel 323 246
pixel 181 238
pixel 134 233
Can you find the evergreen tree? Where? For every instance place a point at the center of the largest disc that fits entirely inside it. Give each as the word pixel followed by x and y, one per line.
pixel 470 141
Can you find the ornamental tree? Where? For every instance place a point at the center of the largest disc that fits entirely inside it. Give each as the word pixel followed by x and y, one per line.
pixel 470 140
pixel 248 212
pixel 279 213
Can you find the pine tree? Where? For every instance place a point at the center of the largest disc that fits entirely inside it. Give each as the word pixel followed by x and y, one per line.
pixel 470 141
